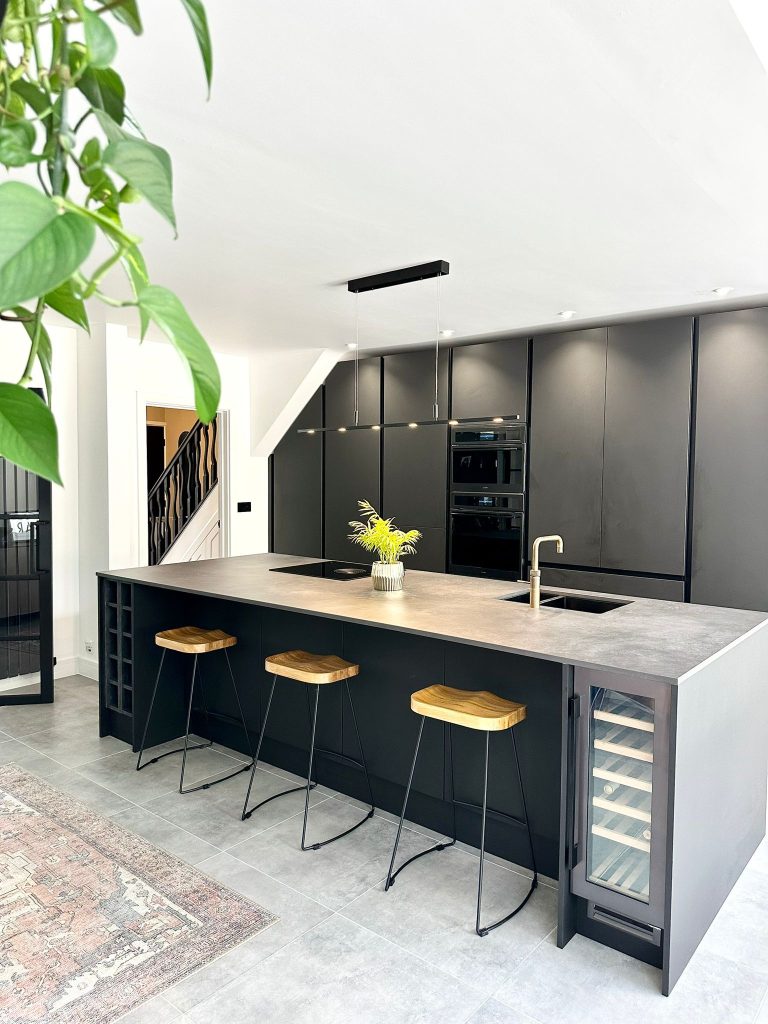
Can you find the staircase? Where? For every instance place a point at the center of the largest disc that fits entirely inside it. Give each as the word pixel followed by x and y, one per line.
pixel 187 481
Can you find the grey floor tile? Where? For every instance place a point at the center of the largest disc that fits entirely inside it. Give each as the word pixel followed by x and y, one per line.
pixel 335 874
pixel 75 742
pixel 164 834
pixel 154 1011
pixel 296 914
pixel 118 772
pixel 430 910
pixel 587 983
pixel 99 799
pixel 494 1012
pixel 26 757
pixel 27 719
pixel 339 973
pixel 214 814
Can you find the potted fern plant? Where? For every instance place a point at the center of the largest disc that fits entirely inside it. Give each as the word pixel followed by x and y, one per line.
pixel 381 536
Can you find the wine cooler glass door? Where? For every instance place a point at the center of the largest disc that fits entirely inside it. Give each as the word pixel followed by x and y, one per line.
pixel 623 770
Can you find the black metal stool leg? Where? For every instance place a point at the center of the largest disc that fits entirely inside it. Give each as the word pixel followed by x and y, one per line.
pixel 482 840
pixel 246 813
pixel 391 876
pixel 535 880
pixel 139 765
pixel 186 732
pixel 360 745
pixel 309 772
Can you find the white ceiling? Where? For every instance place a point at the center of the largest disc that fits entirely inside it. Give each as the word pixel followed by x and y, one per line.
pixel 606 156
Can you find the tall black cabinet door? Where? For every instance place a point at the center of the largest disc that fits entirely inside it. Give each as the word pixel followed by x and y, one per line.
pixel 645 462
pixel 490 380
pixel 340 393
pixel 730 486
pixel 566 443
pixel 409 385
pixel 297 492
pixel 415 481
pixel 352 458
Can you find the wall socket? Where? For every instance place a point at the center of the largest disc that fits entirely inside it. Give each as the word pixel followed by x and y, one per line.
pixel 89 646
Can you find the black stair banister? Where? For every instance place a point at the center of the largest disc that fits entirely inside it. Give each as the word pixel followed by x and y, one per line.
pixel 182 488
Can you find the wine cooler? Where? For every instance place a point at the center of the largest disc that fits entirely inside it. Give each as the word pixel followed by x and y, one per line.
pixel 620 793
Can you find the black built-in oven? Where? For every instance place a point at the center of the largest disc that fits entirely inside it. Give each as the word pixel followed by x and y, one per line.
pixel 488 459
pixel 486 535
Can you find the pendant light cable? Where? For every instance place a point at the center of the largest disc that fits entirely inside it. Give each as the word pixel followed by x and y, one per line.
pixel 357 359
pixel 436 406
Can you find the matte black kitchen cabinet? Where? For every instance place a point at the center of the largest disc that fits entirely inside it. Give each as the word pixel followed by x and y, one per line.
pixel 409 385
pixel 340 393
pixel 613 583
pixel 490 379
pixel 566 443
pixel 415 484
pixel 645 461
pixel 297 492
pixel 730 484
pixel 352 458
pixel 610 419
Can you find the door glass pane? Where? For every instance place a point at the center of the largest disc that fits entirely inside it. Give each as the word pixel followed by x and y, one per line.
pixel 621 734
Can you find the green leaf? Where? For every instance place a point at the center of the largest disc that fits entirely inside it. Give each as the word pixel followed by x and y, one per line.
pixel 199 19
pixel 164 309
pixel 39 246
pixel 32 95
pixel 128 13
pixel 136 268
pixel 99 39
pixel 28 433
pixel 147 168
pixel 16 141
pixel 104 88
pixel 65 301
pixel 44 347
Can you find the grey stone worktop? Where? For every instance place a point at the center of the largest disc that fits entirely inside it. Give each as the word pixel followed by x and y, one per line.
pixel 658 638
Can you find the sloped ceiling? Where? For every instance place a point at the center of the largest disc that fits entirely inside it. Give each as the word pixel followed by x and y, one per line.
pixel 605 156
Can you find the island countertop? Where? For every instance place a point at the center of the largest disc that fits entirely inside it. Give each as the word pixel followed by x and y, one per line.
pixel 664 639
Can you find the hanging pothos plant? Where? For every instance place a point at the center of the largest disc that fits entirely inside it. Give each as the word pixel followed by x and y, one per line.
pixel 65 125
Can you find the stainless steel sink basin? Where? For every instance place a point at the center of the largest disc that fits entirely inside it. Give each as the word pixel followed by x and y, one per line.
pixel 570 602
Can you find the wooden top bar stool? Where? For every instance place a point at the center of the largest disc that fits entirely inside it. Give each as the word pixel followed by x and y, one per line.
pixel 481 711
pixel 315 670
pixel 195 641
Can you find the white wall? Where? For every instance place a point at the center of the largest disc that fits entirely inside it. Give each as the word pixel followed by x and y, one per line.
pixel 151 373
pixel 14 347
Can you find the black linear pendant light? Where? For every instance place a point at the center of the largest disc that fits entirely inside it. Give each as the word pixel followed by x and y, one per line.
pixel 406 275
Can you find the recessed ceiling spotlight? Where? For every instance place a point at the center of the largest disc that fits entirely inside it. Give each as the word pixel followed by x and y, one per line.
pixel 342 430
pixel 351 345
pixel 722 291
pixel 413 425
pixel 375 426
pixel 453 423
pixel 447 334
pixel 498 419
pixel 567 314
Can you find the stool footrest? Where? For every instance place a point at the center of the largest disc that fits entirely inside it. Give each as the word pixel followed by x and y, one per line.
pixel 178 750
pixel 207 785
pixel 433 849
pixel 332 755
pixel 275 796
pixel 502 815
pixel 325 842
pixel 482 932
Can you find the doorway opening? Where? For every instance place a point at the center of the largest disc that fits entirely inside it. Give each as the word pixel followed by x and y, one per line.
pixel 183 492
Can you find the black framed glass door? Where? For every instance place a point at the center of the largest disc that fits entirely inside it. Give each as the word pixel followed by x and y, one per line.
pixel 26 604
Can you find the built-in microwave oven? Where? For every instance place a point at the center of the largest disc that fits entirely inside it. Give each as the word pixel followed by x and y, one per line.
pixel 488 459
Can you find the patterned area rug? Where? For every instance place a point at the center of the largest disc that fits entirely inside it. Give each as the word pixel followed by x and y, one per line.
pixel 93 919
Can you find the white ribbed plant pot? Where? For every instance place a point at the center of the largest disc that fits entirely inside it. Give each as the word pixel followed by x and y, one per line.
pixel 387 575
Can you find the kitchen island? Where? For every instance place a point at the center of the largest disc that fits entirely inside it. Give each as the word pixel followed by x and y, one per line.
pixel 644 751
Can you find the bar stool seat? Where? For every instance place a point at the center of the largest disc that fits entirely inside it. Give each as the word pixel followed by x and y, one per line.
pixel 481 711
pixel 304 667
pixel 473 709
pixel 195 641
pixel 191 640
pixel 315 670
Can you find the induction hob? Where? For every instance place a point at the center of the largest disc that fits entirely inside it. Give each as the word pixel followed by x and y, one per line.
pixel 341 571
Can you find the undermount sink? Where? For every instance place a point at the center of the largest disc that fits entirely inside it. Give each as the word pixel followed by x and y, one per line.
pixel 570 602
